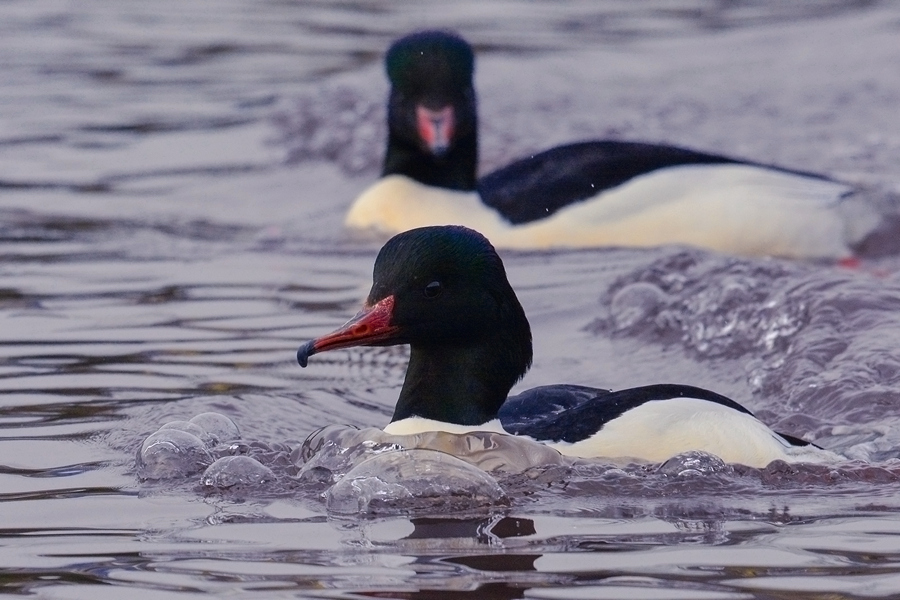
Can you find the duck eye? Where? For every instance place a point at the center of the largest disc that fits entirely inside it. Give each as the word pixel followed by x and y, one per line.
pixel 433 289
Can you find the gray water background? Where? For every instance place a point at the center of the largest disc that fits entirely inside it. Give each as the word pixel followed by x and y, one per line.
pixel 172 181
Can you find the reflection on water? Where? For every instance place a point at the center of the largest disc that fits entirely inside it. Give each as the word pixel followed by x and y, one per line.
pixel 172 184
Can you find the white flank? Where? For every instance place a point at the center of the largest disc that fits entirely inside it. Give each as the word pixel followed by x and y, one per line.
pixel 658 430
pixel 738 209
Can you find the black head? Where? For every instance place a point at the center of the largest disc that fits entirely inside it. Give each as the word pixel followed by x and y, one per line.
pixel 449 287
pixel 432 67
pixel 444 291
pixel 432 117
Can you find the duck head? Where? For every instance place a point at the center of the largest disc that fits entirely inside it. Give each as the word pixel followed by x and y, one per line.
pixel 431 110
pixel 444 291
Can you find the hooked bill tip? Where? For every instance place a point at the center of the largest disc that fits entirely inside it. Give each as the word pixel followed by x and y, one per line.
pixel 303 354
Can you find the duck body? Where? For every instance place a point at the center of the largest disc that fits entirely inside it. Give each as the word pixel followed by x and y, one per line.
pixel 590 423
pixel 587 194
pixel 677 205
pixel 443 291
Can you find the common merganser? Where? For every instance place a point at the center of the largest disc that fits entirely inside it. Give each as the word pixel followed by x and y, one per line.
pixel 443 290
pixel 589 194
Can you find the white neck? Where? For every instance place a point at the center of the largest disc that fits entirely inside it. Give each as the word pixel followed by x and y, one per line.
pixel 413 425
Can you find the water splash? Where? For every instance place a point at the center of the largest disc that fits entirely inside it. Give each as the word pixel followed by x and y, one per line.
pixel 418 480
pixel 182 448
pixel 230 472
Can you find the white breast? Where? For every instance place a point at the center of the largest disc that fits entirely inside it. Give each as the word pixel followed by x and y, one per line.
pixel 413 425
pixel 738 209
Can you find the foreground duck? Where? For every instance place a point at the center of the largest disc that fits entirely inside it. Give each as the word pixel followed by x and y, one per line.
pixel 602 193
pixel 444 291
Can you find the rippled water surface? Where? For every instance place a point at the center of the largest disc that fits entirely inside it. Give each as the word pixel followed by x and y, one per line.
pixel 173 177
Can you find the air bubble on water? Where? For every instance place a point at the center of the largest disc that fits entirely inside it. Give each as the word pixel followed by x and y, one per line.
pixel 333 459
pixel 420 481
pixel 694 462
pixel 219 427
pixel 189 427
pixel 231 471
pixel 635 304
pixel 335 450
pixel 171 453
pixel 181 448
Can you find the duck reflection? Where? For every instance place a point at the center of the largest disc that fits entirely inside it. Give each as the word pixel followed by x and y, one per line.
pixel 486 528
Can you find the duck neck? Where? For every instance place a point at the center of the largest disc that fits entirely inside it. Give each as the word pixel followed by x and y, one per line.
pixel 453 170
pixel 460 385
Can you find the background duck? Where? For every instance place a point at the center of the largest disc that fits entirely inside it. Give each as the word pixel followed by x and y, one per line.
pixel 444 291
pixel 588 194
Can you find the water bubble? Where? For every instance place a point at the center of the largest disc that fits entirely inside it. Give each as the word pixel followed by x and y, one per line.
pixel 318 439
pixel 335 457
pixel 337 449
pixel 231 471
pixel 171 453
pixel 190 428
pixel 634 304
pixel 405 481
pixel 694 462
pixel 219 427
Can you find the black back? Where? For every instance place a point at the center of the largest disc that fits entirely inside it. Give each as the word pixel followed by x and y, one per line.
pixel 571 413
pixel 536 187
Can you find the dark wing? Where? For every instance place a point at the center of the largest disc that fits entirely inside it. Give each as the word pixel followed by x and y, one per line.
pixel 569 413
pixel 525 413
pixel 536 187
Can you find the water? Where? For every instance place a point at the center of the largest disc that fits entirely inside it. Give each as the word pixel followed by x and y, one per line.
pixel 172 183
